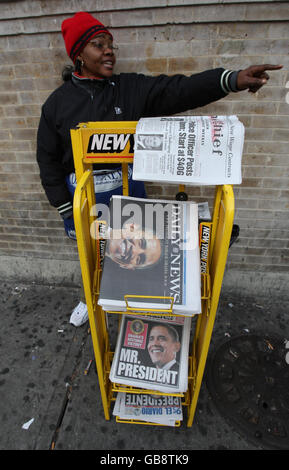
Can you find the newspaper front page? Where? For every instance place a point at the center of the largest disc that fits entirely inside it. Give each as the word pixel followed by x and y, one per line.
pixel 189 150
pixel 152 257
pixel 160 409
pixel 152 353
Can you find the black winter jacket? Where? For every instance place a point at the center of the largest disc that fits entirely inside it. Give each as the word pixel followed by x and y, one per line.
pixel 124 97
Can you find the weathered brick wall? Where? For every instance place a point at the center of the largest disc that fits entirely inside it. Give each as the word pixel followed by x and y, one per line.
pixel 154 36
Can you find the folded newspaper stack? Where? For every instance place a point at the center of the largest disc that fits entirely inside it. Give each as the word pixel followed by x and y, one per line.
pixel 152 258
pixel 189 150
pixel 160 409
pixel 152 353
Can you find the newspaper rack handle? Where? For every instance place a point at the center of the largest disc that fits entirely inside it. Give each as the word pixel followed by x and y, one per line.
pixel 139 309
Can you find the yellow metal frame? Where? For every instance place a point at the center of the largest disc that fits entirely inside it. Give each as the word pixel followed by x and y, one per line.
pixel 86 226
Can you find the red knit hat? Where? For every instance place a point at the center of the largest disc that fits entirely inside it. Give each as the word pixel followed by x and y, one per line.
pixel 78 31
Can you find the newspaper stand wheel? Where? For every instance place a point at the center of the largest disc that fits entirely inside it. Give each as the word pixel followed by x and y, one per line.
pixel 88 249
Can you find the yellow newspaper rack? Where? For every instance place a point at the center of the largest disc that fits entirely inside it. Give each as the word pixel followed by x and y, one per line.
pixel 112 142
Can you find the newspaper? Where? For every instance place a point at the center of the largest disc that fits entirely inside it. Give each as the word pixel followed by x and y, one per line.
pixel 160 409
pixel 205 241
pixel 204 211
pixel 203 150
pixel 152 250
pixel 152 353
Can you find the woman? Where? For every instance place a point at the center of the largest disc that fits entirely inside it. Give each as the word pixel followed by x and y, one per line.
pixel 94 93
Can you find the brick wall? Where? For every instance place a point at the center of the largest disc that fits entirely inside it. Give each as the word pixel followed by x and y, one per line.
pixel 154 36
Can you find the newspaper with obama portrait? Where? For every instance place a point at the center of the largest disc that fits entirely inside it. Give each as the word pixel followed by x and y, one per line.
pixel 152 258
pixel 152 352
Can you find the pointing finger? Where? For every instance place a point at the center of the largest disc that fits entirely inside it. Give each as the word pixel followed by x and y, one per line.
pixel 263 67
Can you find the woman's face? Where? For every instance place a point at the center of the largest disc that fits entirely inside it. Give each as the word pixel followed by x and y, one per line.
pixel 98 57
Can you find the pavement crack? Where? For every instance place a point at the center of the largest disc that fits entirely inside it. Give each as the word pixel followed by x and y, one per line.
pixel 68 391
pixel 60 417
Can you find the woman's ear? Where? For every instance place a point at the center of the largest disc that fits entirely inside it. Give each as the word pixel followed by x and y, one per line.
pixel 79 58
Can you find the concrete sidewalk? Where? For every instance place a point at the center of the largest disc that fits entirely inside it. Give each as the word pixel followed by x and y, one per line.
pixel 43 358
